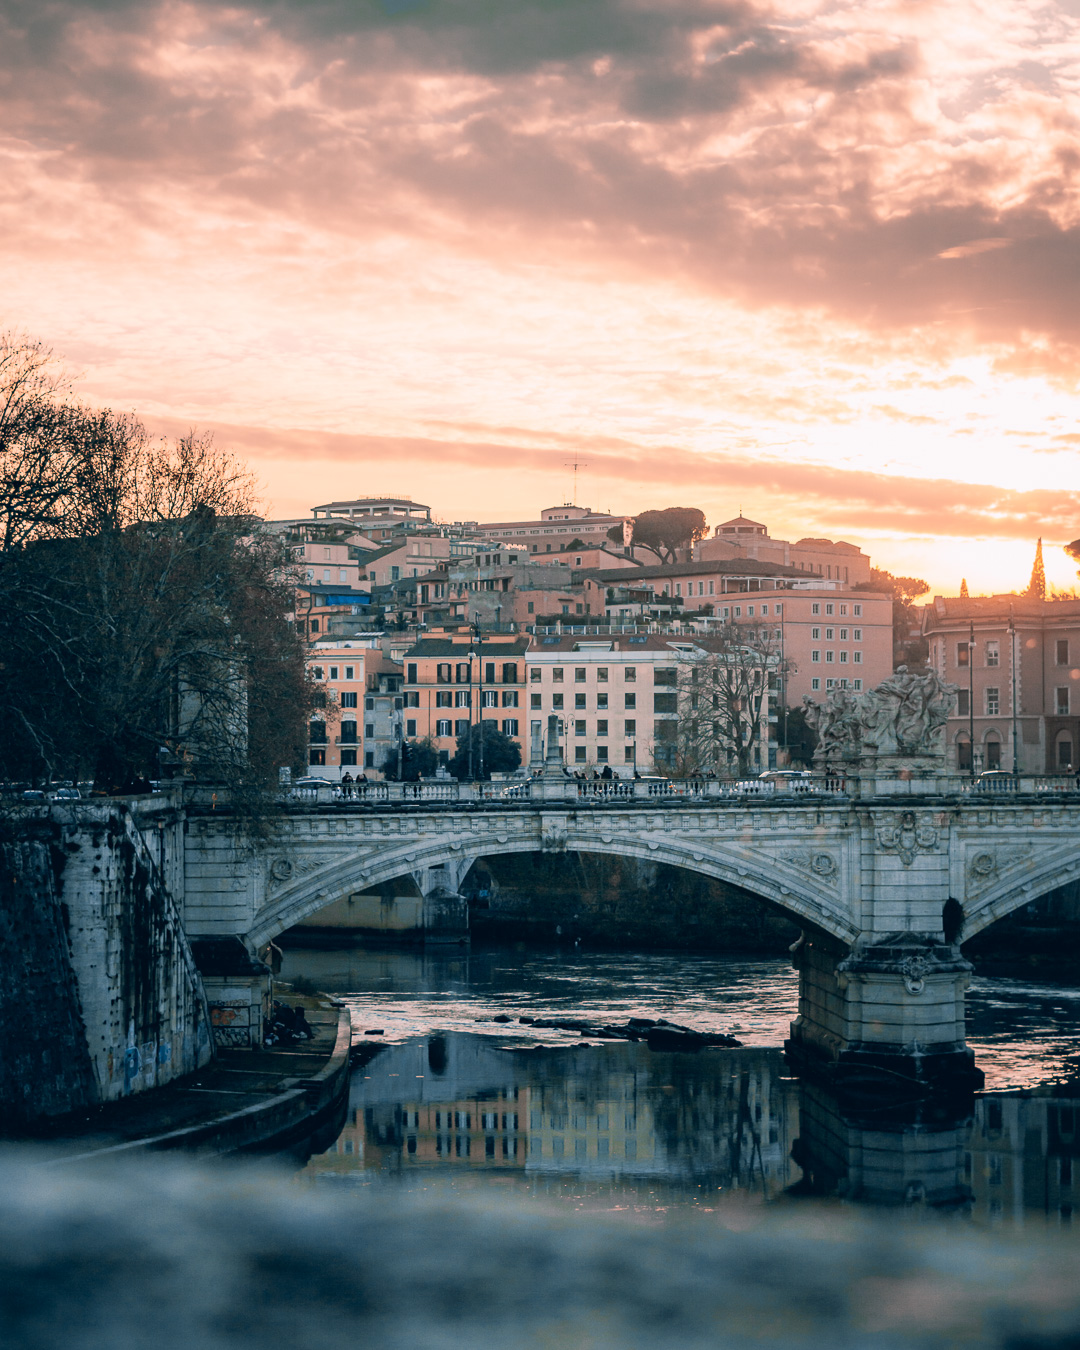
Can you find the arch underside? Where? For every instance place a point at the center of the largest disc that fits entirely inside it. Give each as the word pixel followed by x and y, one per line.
pixel 1057 867
pixel 780 883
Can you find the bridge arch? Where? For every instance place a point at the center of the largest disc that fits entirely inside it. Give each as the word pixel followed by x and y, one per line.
pixel 1045 873
pixel 778 882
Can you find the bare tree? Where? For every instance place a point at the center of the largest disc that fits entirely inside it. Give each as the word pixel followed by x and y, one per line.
pixel 143 616
pixel 724 683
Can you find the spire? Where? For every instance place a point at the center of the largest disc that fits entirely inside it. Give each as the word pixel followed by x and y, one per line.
pixel 963 589
pixel 1037 585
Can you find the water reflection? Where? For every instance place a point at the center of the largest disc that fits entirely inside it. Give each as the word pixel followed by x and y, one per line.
pixel 457 1101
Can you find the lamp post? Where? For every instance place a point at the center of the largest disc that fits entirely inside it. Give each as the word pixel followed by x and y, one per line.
pixel 479 635
pixel 471 654
pixel 971 698
pixel 1012 672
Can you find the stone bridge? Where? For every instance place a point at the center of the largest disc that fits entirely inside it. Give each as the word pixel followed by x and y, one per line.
pixel 886 877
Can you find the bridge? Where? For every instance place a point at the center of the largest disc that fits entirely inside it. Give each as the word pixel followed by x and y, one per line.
pixel 886 876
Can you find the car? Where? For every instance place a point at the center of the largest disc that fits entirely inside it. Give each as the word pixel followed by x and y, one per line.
pixel 311 782
pixel 66 794
pixel 777 774
pixel 33 795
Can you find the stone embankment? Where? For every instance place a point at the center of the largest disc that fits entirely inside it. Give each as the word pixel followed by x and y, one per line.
pixel 246 1101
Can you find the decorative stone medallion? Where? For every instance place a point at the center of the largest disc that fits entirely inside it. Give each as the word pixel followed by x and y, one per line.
pixel 281 869
pixel 907 838
pixel 823 864
pixel 983 865
pixel 913 969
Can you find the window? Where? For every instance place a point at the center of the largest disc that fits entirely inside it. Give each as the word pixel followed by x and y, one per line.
pixel 602 674
pixel 857 611
pixel 534 674
pixel 843 609
pixel 828 658
pixel 579 754
pixel 333 672
pixel 601 727
pixel 678 588
pixel 665 703
pixel 815 608
pixel 348 759
pixel 750 611
pixel 348 732
pixel 856 684
pixel 489 671
pixel 815 683
pixel 630 727
pixel 510 726
pixel 828 634
pixel 326 574
pixel 348 700
pixel 532 607
pixel 993 702
pixel 410 673
pixel 316 756
pixel 579 727
pixel 317 733
pixel 369 705
pixel 843 634
pixel 461 726
pixel 828 609
pixel 1061 700
pixel 369 729
pixel 410 726
pixel 629 700
pixel 630 674
pixel 442 727
pixel 815 634
pixel 369 759
pixel 534 700
pixel 557 702
pixel 1064 753
pixel 579 700
pixel 993 654
pixel 350 673
pixel 764 610
pixel 857 658
pixel 557 674
pixel 509 672
pixel 1061 652
pixel 601 758
pixel 444 698
pixel 463 672
pixel 601 700
pixel 738 611
pixel 843 658
pixel 963 703
pixel 442 672
pixel 317 672
pixel 963 654
pixel 490 698
pixel 815 656
pixel 411 699
pixel 579 674
pixel 993 758
pixel 462 698
pixel 510 698
pixel 666 675
pixel 856 635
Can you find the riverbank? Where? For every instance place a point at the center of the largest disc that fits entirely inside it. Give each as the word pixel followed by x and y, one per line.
pixel 245 1101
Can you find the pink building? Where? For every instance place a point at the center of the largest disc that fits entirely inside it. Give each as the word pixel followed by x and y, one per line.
pixel 743 538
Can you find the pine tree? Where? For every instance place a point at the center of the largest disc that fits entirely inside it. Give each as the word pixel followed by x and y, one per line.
pixel 963 588
pixel 1037 585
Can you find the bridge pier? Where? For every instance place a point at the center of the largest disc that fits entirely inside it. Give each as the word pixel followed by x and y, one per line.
pixel 887 1013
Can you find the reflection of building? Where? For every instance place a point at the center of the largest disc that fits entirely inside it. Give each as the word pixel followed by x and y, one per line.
pixel 1022 1155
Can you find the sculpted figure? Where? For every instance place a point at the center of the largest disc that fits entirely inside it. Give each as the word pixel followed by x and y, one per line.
pixel 905 713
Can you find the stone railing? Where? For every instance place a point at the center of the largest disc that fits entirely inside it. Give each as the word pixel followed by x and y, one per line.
pixel 599 792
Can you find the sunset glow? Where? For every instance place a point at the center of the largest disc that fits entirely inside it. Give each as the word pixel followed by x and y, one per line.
pixel 817 261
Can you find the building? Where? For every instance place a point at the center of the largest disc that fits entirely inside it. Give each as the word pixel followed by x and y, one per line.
pixel 454 678
pixel 1017 662
pixel 377 517
pixel 557 526
pixel 743 538
pixel 402 559
pixel 335 732
pixel 696 586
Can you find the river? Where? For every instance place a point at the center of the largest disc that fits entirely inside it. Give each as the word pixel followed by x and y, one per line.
pixel 456 1101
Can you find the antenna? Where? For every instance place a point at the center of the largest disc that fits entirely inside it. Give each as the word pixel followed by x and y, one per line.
pixel 575 464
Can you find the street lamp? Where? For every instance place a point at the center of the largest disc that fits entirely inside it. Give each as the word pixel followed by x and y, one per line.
pixel 478 633
pixel 1012 671
pixel 971 698
pixel 471 655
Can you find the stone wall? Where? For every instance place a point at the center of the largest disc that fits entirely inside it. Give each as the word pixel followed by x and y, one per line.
pixel 107 963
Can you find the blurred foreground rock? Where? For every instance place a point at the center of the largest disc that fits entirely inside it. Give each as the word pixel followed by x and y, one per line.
pixel 170 1255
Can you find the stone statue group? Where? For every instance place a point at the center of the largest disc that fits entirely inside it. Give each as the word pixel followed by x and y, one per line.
pixel 903 718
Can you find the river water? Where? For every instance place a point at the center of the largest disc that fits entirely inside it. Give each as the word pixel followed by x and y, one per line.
pixel 455 1101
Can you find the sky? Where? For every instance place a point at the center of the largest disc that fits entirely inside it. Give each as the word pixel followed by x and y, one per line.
pixel 819 262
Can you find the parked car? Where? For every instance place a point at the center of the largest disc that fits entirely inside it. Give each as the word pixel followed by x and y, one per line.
pixel 66 794
pixel 33 795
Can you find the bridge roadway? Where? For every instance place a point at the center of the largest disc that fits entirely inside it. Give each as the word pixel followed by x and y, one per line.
pixel 886 877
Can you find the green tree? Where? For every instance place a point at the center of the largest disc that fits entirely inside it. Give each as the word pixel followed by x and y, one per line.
pixel 909 646
pixel 501 753
pixel 665 531
pixel 1037 585
pixel 419 759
